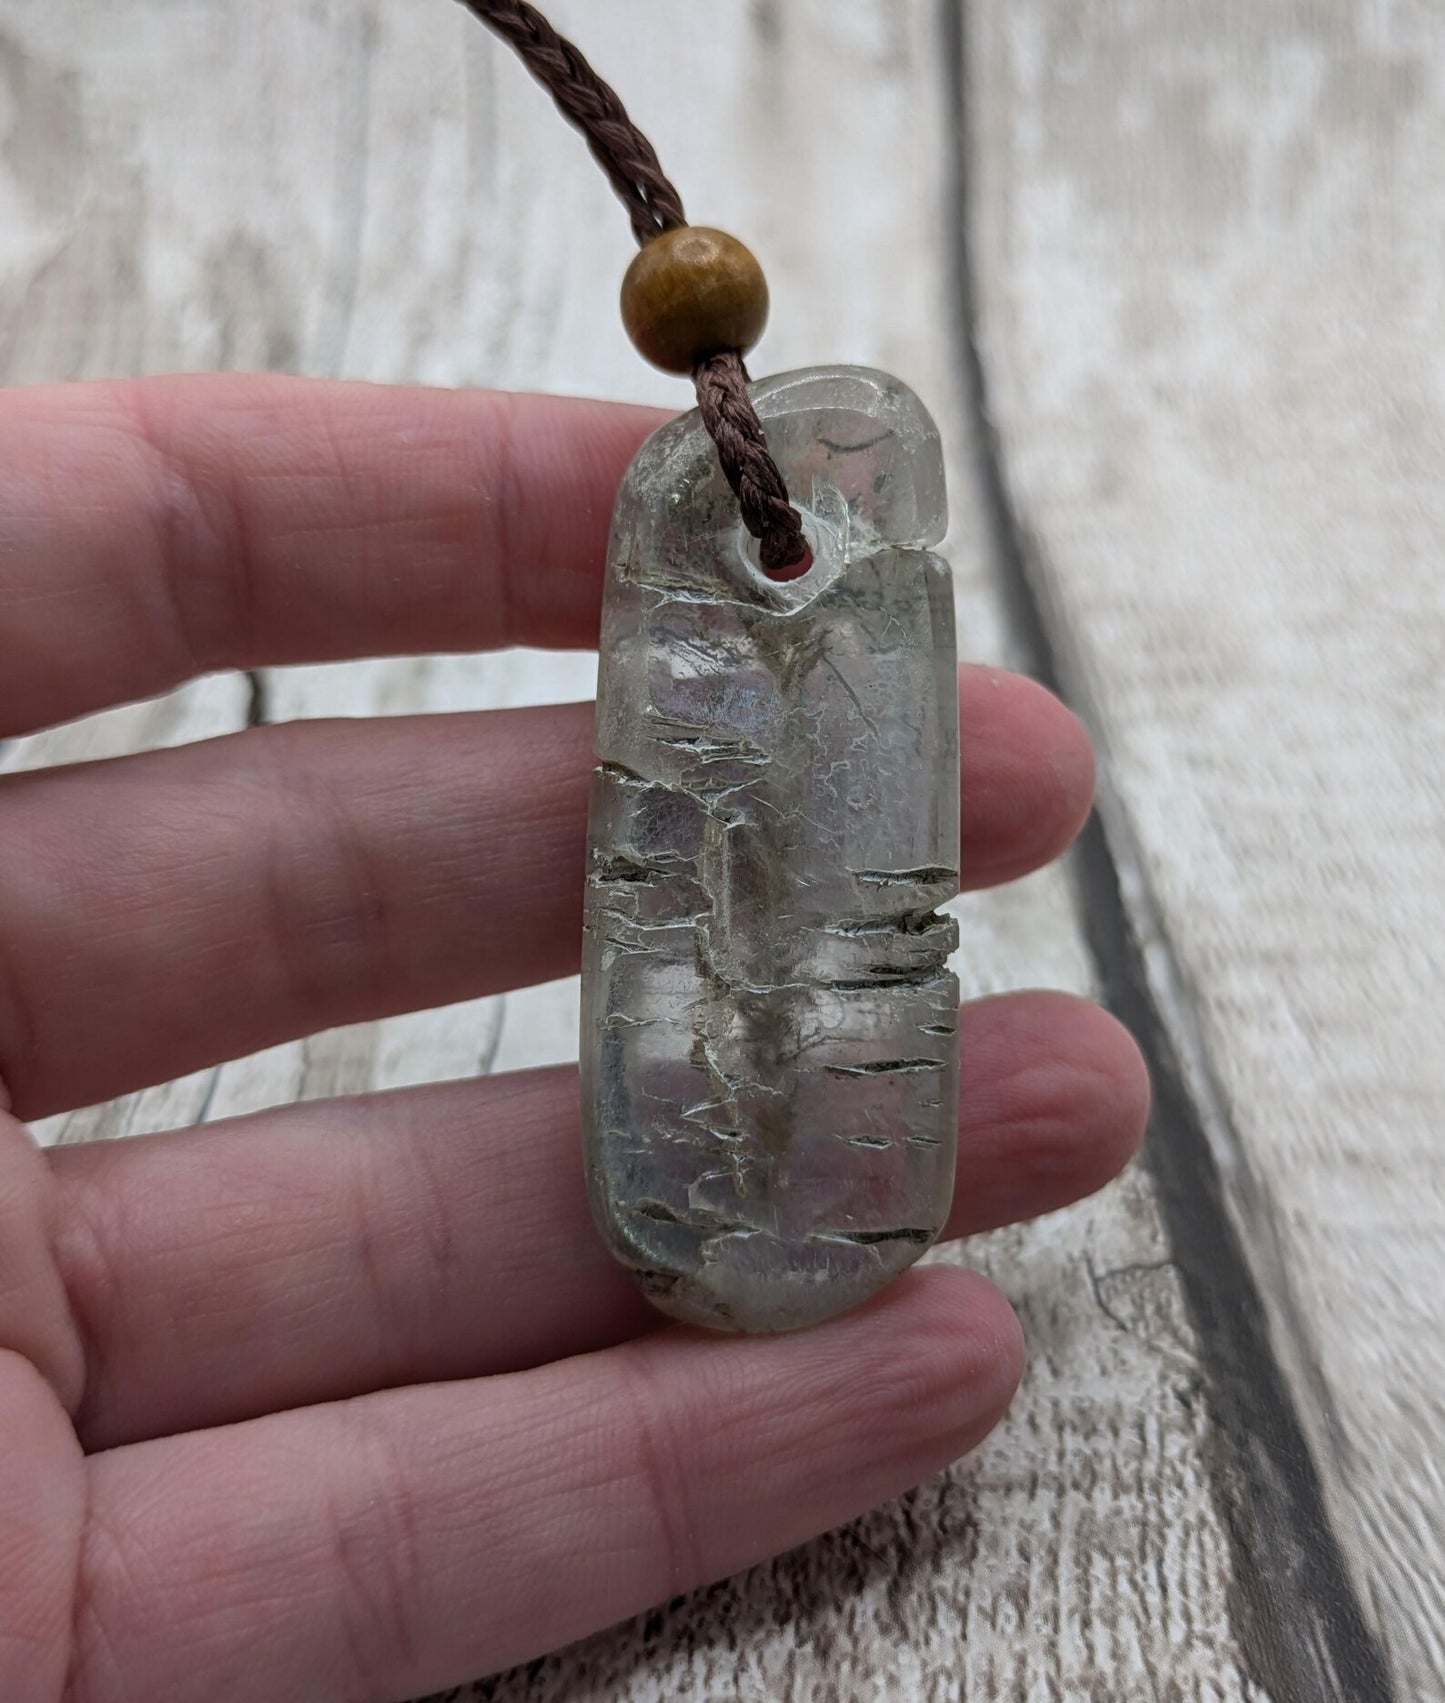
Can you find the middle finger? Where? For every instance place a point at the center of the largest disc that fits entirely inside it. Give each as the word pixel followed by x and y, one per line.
pixel 163 912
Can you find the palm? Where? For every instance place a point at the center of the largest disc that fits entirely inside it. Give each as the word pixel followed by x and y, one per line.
pixel 345 1400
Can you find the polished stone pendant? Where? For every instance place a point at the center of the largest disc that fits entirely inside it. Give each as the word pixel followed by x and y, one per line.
pixel 769 1051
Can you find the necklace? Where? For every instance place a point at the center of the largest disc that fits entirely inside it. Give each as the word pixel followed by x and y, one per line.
pixel 768 1048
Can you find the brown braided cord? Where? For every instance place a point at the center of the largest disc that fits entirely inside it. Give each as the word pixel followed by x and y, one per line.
pixel 733 424
pixel 654 206
pixel 585 101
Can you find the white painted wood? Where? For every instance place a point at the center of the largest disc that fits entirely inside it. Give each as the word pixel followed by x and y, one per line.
pixel 1210 290
pixel 350 187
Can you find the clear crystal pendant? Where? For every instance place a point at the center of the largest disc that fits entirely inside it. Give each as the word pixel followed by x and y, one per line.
pixel 769 1052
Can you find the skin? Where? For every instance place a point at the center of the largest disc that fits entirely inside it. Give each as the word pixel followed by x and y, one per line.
pixel 344 1400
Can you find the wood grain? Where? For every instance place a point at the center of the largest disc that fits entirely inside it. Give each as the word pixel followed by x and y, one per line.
pixel 351 188
pixel 1208 301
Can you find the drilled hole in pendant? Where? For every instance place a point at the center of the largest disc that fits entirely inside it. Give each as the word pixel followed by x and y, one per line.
pixel 820 547
pixel 793 570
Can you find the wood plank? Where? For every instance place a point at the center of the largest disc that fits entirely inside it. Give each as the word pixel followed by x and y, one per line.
pixel 1207 283
pixel 352 188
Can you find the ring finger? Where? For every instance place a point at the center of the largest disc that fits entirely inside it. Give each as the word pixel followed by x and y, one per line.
pixel 324 1250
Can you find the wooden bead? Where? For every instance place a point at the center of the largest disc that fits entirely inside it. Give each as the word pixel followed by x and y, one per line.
pixel 689 293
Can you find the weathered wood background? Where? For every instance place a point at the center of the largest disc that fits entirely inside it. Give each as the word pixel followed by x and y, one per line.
pixel 1170 274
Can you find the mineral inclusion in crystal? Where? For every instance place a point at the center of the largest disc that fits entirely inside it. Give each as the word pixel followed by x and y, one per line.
pixel 769 1052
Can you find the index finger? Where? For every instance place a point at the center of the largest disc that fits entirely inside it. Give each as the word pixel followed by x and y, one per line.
pixel 156 529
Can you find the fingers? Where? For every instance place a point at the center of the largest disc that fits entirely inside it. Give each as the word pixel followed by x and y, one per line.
pixel 1055 1099
pixel 166 911
pixel 35 1315
pixel 159 528
pixel 169 910
pixel 42 1471
pixel 413 1539
pixel 323 1250
pixel 1028 776
pixel 42 1506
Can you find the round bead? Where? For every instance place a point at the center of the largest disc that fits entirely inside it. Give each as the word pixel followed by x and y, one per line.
pixel 689 293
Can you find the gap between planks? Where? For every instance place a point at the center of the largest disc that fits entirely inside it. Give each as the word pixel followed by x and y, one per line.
pixel 1297 1616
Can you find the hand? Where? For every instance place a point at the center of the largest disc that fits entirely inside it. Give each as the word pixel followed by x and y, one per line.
pixel 345 1399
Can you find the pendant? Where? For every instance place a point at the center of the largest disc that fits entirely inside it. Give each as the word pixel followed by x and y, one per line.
pixel 769 1047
